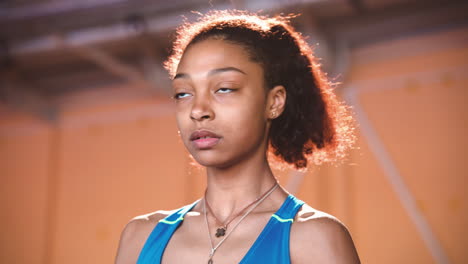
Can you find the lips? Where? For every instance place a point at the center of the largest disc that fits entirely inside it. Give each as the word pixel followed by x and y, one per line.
pixel 204 139
pixel 200 134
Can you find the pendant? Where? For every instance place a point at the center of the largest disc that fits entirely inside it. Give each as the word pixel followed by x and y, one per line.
pixel 220 232
pixel 210 261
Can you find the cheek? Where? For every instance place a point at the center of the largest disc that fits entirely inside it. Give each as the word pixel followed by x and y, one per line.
pixel 182 122
pixel 179 119
pixel 245 120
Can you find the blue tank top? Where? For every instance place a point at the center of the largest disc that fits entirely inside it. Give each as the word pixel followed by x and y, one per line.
pixel 271 246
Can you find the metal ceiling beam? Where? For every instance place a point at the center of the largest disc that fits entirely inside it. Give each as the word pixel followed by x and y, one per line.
pixel 120 31
pixel 52 8
pixel 358 6
pixel 105 60
pixel 397 21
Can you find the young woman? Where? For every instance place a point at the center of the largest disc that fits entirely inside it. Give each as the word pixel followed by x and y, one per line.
pixel 247 89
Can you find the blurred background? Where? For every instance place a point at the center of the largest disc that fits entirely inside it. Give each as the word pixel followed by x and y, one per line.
pixel 88 138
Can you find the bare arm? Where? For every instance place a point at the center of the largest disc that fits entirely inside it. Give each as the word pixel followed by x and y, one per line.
pixel 134 236
pixel 321 238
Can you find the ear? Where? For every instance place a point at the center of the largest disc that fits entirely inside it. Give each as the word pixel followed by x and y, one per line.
pixel 276 101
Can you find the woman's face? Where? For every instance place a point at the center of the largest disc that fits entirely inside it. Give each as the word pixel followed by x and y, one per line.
pixel 221 103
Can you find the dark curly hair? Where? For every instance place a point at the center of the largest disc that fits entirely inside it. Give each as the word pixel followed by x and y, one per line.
pixel 314 125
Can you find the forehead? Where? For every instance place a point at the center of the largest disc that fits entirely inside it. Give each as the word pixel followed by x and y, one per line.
pixel 204 56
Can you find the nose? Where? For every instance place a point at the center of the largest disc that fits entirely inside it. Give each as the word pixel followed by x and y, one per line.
pixel 201 109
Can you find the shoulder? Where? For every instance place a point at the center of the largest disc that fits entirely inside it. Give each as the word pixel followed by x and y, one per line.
pixel 320 238
pixel 135 234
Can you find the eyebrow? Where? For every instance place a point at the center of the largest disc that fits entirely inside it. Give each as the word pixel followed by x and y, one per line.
pixel 210 73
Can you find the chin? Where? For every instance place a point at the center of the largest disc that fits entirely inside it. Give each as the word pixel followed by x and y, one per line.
pixel 212 160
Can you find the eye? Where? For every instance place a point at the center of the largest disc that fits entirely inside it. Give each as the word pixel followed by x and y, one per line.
pixel 181 95
pixel 224 90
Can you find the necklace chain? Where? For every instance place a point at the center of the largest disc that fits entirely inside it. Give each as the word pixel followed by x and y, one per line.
pixel 221 231
pixel 213 247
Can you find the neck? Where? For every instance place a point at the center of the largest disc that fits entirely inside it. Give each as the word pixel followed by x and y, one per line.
pixel 230 189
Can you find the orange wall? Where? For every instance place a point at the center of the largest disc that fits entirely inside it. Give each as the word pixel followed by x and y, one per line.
pixel 68 189
pixel 414 94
